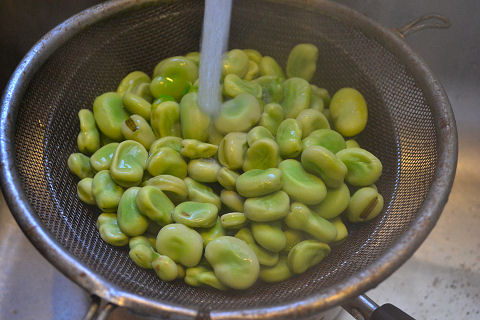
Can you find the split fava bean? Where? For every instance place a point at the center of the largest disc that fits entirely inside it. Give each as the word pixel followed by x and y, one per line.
pixel 102 158
pixel 227 178
pixel 131 80
pixel 195 149
pixel 196 214
pixel 233 261
pixel 173 187
pixel 137 105
pixel 106 192
pixel 265 257
pixel 166 119
pixel 79 165
pixel 88 140
pixel 323 163
pixel 109 114
pixel 231 151
pixel 107 226
pixel 301 185
pixel 363 168
pixel 253 70
pixel 272 117
pixel 258 182
pixel 154 204
pixel 181 243
pixel 202 276
pixel 142 252
pixel 306 254
pixel 130 220
pixel 137 128
pixel 262 154
pixel 201 193
pixel 84 191
pixel 128 163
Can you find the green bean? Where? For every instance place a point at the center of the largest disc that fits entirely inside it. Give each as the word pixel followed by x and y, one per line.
pixel 102 158
pixel 366 203
pixel 258 182
pixel 130 220
pixel 172 142
pixel 311 120
pixel 79 165
pixel 271 207
pixel 203 170
pixel 265 257
pixel 109 114
pixel 106 192
pixel 324 164
pixel 154 204
pixel 165 268
pixel 182 244
pixel 201 193
pixel 269 67
pixel 137 105
pixel 296 96
pixel 269 235
pixel 137 128
pixel 238 114
pixel 329 139
pixel 235 62
pixel 128 163
pixel 349 112
pixel 233 85
pixel 276 273
pixel 233 262
pixel 142 252
pixel 363 167
pixel 201 276
pixel 301 218
pixel 306 254
pixel 232 149
pixel 232 200
pixel 334 203
pixel 132 80
pixel 173 187
pixel 227 178
pixel 272 117
pixel 302 61
pixel 233 220
pixel 194 122
pixel 166 119
pixel 211 233
pixel 109 231
pixel 195 149
pixel 289 138
pixel 262 154
pixel 195 214
pixel 167 161
pixel 88 140
pixel 301 185
pixel 84 191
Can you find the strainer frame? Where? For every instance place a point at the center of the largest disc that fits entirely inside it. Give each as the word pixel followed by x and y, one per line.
pixel 360 282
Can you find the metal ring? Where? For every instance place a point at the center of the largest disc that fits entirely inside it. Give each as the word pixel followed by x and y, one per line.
pixel 427 21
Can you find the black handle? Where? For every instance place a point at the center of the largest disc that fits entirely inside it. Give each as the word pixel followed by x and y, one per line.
pixel 389 312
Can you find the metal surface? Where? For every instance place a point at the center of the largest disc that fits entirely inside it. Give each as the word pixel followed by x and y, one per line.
pixel 360 307
pixel 368 277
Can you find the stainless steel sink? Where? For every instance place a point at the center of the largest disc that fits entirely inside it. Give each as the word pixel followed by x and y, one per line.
pixel 442 279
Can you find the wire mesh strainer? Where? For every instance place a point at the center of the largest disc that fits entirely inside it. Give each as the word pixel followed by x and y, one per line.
pixel 411 129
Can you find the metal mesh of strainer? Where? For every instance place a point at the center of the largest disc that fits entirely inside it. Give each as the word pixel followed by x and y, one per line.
pixel 401 131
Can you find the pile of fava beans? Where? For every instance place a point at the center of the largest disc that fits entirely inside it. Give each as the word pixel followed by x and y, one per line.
pixel 260 192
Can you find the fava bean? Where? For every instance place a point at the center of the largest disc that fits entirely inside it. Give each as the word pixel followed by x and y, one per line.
pixel 292 238
pixel 166 119
pixel 272 89
pixel 233 220
pixel 194 122
pixel 311 120
pixel 84 191
pixel 342 232
pixel 363 167
pixel 165 268
pixel 109 231
pixel 154 204
pixel 227 178
pixel 258 182
pixel 301 185
pixel 316 100
pixel 182 244
pixel 296 97
pixel 239 114
pixel 326 138
pixel 349 112
pixel 272 117
pixel 132 80
pixel 233 85
pixel 270 67
pixel 232 200
pixel 201 193
pixel 269 235
pixel 265 257
pixel 79 165
pixel 88 140
pixel 301 218
pixel 253 55
pixel 302 61
pixel 142 252
pixel 271 207
pixel 128 163
pixel 306 254
pixel 334 203
pixel 253 71
pixel 195 214
pixel 137 105
pixel 366 203
pixel 173 187
pixel 289 138
pixel 177 67
pixel 214 136
pixel 276 273
pixel 194 56
pixel 211 233
pixel 172 142
pixel 195 149
pixel 351 143
pixel 233 262
pixel 130 220
pixel 323 163
pixel 102 158
pixel 232 149
pixel 167 161
pixel 262 154
pixel 201 276
pixel 203 170
pixel 258 133
pixel 235 62
pixel 106 192
pixel 109 114
pixel 136 128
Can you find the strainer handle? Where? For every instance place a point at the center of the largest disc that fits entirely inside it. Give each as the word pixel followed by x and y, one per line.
pixel 427 21
pixel 364 308
pixel 99 310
